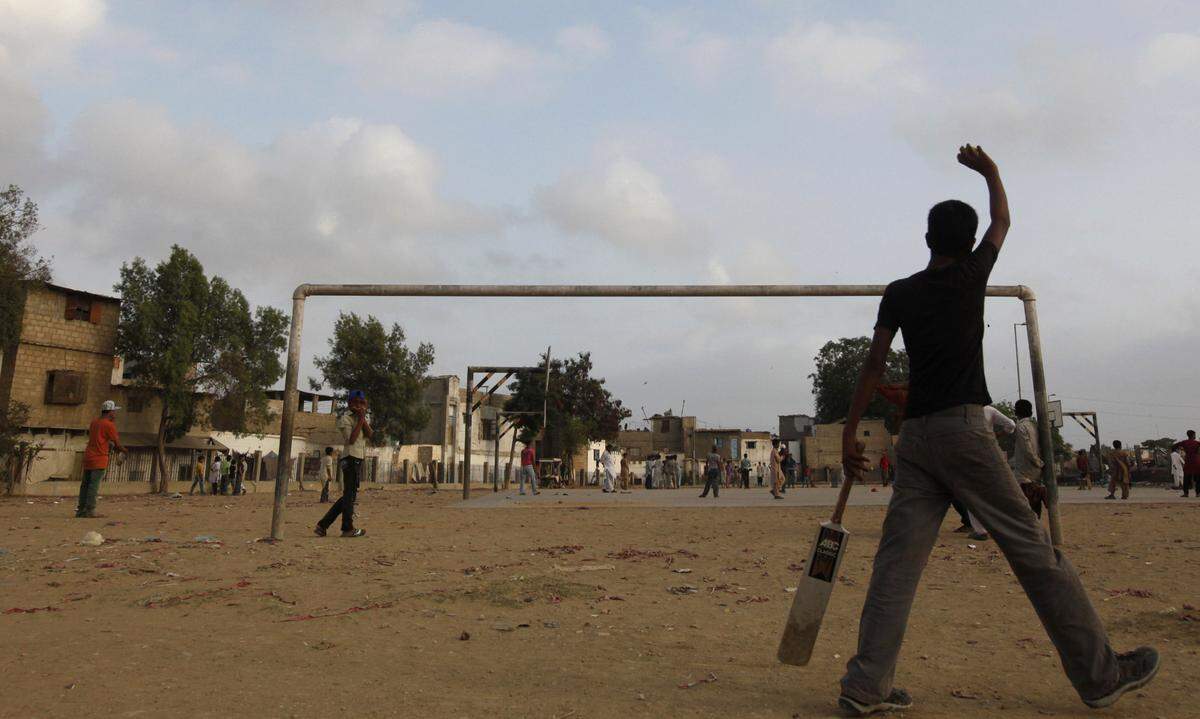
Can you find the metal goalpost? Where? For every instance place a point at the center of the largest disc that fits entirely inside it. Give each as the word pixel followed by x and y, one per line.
pixel 291 396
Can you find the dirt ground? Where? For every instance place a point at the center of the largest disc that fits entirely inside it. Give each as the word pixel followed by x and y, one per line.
pixel 555 610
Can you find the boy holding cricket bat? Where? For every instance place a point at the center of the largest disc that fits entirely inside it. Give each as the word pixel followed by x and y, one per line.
pixel 947 451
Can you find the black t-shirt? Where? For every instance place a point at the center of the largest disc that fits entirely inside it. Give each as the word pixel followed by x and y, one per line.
pixel 940 313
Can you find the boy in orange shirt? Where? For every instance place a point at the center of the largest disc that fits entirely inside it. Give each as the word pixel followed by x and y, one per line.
pixel 102 434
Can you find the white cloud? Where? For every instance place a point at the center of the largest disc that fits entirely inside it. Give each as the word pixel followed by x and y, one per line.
pixel 585 41
pixel 851 60
pixel 1168 56
pixel 44 33
pixel 432 57
pixel 338 197
pixel 619 201
pixel 704 56
pixel 1057 102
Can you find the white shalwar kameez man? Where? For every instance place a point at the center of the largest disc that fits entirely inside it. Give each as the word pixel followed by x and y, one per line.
pixel 1177 470
pixel 610 471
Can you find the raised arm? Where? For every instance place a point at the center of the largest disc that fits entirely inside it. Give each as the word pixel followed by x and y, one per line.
pixel 853 459
pixel 974 157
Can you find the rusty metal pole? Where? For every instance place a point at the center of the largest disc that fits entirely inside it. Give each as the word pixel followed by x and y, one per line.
pixel 291 398
pixel 466 478
pixel 1041 403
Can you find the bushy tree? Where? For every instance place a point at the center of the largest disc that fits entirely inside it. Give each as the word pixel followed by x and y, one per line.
pixel 579 409
pixel 20 265
pixel 838 365
pixel 362 355
pixel 184 335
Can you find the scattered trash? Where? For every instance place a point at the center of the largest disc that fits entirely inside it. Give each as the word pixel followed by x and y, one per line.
pixel 92 539
pixel 753 600
pixel 523 625
pixel 584 568
pixel 176 495
pixel 962 694
pixel 790 590
pixel 971 546
pixel 321 645
pixel 274 595
pixel 31 610
pixel 550 625
pixel 3 552
pixel 706 680
pixel 683 589
pixel 152 539
pixel 1130 592
pixel 179 599
pixel 350 610
pixel 556 551
pixel 612 598
pixel 206 539
pixel 503 627
pixel 794 567
pixel 681 570
pixel 464 636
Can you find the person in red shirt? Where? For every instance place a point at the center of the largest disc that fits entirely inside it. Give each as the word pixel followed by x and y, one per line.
pixel 528 473
pixel 102 435
pixel 1191 462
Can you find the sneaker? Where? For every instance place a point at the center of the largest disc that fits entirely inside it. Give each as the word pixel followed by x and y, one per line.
pixel 319 531
pixel 1111 496
pixel 898 699
pixel 354 533
pixel 1137 669
pixel 979 536
pixel 963 529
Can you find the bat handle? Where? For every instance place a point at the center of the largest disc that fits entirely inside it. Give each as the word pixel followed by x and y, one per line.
pixel 844 495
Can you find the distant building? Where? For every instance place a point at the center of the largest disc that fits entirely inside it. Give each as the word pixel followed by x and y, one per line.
pixel 667 434
pixel 823 448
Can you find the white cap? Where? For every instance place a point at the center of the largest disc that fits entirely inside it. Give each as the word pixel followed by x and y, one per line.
pixel 108 406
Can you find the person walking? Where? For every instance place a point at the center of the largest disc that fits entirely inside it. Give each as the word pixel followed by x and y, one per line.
pixel 214 474
pixel 327 474
pixel 197 476
pixel 947 450
pixel 1118 471
pixel 885 470
pixel 1177 470
pixel 1027 459
pixel 1190 449
pixel 746 466
pixel 714 470
pixel 610 470
pixel 355 430
pixel 789 468
pixel 624 473
pixel 776 471
pixel 1082 466
pixel 528 473
pixel 759 469
pixel 102 439
pixel 670 471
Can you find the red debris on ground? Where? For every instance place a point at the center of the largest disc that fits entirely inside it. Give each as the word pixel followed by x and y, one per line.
pixel 560 549
pixel 350 610
pixel 172 601
pixel 31 610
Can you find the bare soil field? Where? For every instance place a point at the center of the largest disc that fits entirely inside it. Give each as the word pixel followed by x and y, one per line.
pixel 557 609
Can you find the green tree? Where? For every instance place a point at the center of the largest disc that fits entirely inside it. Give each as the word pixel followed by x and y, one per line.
pixel 19 261
pixel 183 336
pixel 362 355
pixel 1062 449
pixel 1163 443
pixel 838 365
pixel 579 408
pixel 20 266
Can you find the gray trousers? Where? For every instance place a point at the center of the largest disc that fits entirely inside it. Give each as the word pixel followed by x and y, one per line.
pixel 953 454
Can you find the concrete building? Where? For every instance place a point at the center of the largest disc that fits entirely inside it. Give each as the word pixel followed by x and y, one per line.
pixel 823 448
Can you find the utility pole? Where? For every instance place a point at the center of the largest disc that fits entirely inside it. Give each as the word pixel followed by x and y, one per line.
pixel 1017 354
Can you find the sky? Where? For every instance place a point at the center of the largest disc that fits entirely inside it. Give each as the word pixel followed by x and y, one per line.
pixel 595 142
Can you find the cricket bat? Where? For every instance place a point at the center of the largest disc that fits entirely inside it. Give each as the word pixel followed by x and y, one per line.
pixel 816 585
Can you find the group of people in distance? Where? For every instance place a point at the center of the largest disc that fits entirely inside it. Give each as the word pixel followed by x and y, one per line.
pixel 225 473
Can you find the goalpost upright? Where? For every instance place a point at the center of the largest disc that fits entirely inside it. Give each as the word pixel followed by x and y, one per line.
pixel 291 395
